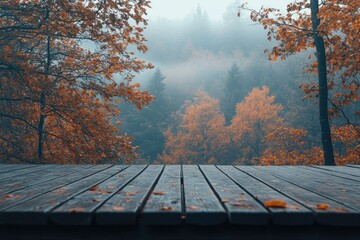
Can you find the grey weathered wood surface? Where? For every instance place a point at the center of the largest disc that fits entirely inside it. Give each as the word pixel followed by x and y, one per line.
pixel 140 195
pixel 331 216
pixel 355 166
pixel 341 169
pixel 241 207
pixel 164 206
pixel 13 167
pixel 125 206
pixel 201 204
pixel 328 186
pixel 294 215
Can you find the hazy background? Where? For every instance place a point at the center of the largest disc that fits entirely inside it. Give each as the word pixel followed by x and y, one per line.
pixel 193 45
pixel 179 9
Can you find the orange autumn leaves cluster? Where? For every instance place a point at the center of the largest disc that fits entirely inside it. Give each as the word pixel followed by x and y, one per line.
pixel 200 137
pixel 339 27
pixel 58 64
pixel 256 135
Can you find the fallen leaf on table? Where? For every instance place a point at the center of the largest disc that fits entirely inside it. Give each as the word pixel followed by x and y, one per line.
pixel 59 191
pixel 9 195
pixel 225 200
pixel 275 203
pixel 193 207
pixel 340 210
pixel 322 206
pixel 78 209
pixel 159 193
pixel 166 208
pixel 131 193
pixel 118 208
pixel 94 188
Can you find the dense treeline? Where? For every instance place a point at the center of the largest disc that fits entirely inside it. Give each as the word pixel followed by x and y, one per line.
pixel 229 69
pixel 71 75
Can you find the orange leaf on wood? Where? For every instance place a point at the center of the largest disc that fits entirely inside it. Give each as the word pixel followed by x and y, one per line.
pixel 159 193
pixel 166 208
pixel 275 203
pixel 322 206
pixel 118 208
pixel 76 209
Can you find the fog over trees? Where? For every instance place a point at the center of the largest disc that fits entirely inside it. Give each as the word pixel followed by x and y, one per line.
pixel 99 82
pixel 226 61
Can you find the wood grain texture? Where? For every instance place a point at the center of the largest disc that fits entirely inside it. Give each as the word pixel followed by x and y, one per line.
pixel 342 169
pixel 164 206
pixel 175 197
pixel 37 177
pixel 125 205
pixel 326 211
pixel 201 204
pixel 85 203
pixel 296 215
pixel 13 167
pixel 241 207
pixel 35 210
pixel 342 191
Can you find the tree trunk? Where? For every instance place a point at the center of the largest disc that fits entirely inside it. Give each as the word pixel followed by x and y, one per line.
pixel 41 127
pixel 323 89
pixel 42 102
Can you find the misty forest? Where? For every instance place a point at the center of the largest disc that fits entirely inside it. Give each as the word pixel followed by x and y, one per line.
pixel 98 82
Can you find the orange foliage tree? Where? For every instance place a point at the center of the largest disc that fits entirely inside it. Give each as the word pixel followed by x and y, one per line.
pixel 332 28
pixel 201 137
pixel 255 117
pixel 288 146
pixel 346 144
pixel 58 60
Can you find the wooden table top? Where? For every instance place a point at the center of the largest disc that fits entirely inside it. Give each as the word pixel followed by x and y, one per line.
pixel 205 195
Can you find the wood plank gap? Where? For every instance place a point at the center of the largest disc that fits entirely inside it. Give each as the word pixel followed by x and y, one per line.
pixel 15 167
pixel 296 215
pixel 14 213
pixel 93 198
pixel 163 206
pixel 353 166
pixel 310 190
pixel 124 207
pixel 240 206
pixel 201 204
pixel 336 173
pixel 329 216
pixel 183 206
pixel 8 186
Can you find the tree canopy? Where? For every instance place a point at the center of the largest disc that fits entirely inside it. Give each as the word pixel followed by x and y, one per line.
pixel 64 66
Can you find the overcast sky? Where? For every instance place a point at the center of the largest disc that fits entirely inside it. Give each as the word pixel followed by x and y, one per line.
pixel 179 9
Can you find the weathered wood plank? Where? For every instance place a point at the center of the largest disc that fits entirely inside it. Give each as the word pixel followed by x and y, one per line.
pixel 19 196
pixel 354 166
pixel 322 184
pixel 35 210
pixel 13 167
pixel 164 206
pixel 346 172
pixel 201 204
pixel 23 171
pixel 334 175
pixel 125 205
pixel 87 202
pixel 336 214
pixel 295 215
pixel 22 181
pixel 241 207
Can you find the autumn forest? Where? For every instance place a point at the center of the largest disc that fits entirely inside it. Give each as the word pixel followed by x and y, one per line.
pixel 94 81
